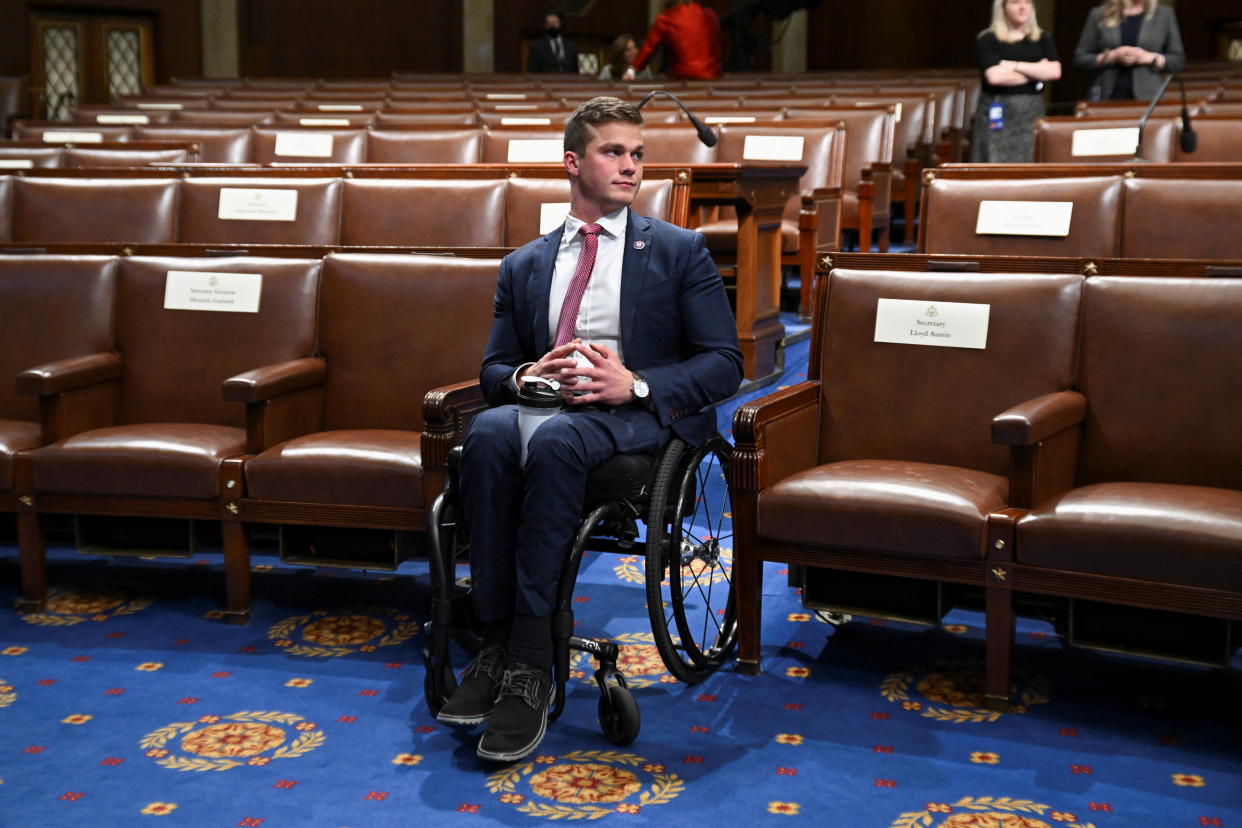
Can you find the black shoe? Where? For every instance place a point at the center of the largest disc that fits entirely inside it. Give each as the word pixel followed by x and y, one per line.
pixel 475 697
pixel 520 719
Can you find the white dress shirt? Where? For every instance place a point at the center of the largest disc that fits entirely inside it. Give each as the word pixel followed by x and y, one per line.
pixel 599 315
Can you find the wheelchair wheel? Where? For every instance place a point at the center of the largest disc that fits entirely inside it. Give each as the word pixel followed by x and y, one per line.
pixel 619 718
pixel 689 568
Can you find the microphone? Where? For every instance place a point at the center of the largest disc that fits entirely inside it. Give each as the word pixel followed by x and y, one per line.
pixel 705 132
pixel 1138 147
pixel 1188 140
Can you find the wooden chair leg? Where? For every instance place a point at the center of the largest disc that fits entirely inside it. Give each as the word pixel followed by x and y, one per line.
pixel 32 553
pixel 748 587
pixel 236 572
pixel 884 231
pixel 1000 637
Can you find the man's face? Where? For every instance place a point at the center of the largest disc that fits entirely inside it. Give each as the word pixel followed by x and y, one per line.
pixel 552 23
pixel 609 171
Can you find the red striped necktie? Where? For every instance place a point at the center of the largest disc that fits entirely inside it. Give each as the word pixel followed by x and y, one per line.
pixel 567 322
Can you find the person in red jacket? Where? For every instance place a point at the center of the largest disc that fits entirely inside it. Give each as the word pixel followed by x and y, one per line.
pixel 693 44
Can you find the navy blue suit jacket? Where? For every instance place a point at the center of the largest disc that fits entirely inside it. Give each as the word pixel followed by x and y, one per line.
pixel 677 329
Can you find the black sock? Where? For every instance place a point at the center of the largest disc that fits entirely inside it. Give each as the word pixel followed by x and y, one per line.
pixel 496 633
pixel 531 641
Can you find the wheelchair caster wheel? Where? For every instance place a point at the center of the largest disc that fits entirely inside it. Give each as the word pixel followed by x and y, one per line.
pixel 619 718
pixel 437 692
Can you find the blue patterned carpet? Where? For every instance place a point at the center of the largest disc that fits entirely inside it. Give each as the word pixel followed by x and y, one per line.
pixel 129 702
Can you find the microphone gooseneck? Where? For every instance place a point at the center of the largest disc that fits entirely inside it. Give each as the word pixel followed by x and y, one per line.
pixel 1188 140
pixel 705 132
pixel 1138 147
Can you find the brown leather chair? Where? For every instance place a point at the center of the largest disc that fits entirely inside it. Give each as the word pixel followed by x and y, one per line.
pixel 374 458
pixel 423 212
pixel 867 187
pixel 450 145
pixel 217 145
pixel 57 314
pixel 21 154
pixel 823 153
pixel 447 120
pixel 345 145
pixel 224 118
pixel 882 462
pixel 1054 139
pixel 951 212
pixel 496 149
pixel 52 132
pixel 117 115
pixel 154 440
pixel 322 120
pixel 1182 219
pixel 676 144
pixel 139 211
pixel 1219 137
pixel 6 207
pixel 1150 514
pixel 86 157
pixel 317 222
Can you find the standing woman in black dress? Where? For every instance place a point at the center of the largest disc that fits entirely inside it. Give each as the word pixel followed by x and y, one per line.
pixel 1128 43
pixel 1016 58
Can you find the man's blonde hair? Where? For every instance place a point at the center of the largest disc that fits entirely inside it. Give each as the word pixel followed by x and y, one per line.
pixel 1000 26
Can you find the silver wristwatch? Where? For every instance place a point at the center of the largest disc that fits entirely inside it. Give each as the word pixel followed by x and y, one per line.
pixel 640 390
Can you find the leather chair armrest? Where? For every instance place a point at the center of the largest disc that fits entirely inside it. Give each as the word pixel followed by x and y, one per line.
pixel 69 374
pixel 447 411
pixel 882 180
pixel 275 380
pixel 776 436
pixel 1043 437
pixel 1036 420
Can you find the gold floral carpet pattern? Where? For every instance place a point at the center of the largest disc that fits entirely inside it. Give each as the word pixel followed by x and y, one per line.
pixel 130 702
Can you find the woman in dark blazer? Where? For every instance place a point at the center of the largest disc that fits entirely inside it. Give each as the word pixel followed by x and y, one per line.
pixel 1129 44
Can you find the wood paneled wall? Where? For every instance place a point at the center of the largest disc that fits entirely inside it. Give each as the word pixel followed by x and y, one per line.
pixel 352 39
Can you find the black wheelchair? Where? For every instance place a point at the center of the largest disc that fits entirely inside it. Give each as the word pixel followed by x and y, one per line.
pixel 682 497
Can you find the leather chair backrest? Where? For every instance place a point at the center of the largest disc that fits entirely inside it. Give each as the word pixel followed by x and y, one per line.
pixel 229 117
pixel 869 136
pixel 55 307
pixel 217 145
pixel 1182 219
pixel 445 119
pixel 176 360
pixel 1054 139
pixel 15 157
pixel 931 404
pixel 1219 139
pixel 1161 360
pixel 914 124
pixel 346 145
pixel 822 153
pixel 316 219
pixel 403 105
pixel 425 146
pixel 118 115
pixel 431 212
pixel 322 120
pixel 131 210
pixel 676 144
pixel 50 133
pixel 388 339
pixel 525 198
pixel 340 105
pixel 952 207
pixel 537 118
pixel 86 157
pixel 496 149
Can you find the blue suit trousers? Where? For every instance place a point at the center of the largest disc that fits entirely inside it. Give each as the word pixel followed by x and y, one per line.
pixel 523 519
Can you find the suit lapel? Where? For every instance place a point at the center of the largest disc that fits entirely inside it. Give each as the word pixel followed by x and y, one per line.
pixel 633 271
pixel 540 291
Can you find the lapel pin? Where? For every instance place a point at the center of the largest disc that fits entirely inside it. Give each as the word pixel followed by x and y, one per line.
pixel 640 244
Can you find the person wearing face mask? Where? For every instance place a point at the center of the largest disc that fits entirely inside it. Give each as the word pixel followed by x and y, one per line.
pixel 553 52
pixel 1016 58
pixel 1128 44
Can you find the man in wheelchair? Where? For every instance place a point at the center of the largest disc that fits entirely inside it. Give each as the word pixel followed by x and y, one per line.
pixel 629 316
